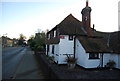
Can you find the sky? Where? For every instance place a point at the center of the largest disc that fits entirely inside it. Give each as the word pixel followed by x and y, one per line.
pixel 27 16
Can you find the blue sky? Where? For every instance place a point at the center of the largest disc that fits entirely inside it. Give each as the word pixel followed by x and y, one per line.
pixel 27 17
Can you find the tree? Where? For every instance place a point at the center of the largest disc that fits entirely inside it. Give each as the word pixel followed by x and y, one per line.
pixel 40 40
pixel 31 42
pixel 37 42
pixel 21 40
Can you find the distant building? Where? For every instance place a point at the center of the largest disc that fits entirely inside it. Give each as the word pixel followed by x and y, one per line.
pixel 7 42
pixel 4 41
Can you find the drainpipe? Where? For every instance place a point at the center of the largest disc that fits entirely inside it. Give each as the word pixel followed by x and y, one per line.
pixel 75 42
pixel 74 46
pixel 101 59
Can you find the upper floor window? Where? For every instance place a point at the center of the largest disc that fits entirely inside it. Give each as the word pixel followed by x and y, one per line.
pixel 93 55
pixel 70 37
pixel 54 33
pixel 86 18
pixel 48 36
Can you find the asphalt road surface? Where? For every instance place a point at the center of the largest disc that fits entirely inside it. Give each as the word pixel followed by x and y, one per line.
pixel 11 58
pixel 20 63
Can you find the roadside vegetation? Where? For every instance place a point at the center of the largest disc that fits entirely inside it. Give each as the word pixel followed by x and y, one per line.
pixel 37 42
pixel 21 40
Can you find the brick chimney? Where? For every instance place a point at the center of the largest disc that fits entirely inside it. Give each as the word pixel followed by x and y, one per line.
pixel 86 2
pixel 86 18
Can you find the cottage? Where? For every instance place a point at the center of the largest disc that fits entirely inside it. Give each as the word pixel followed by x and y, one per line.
pixel 77 39
pixel 96 51
pixel 60 40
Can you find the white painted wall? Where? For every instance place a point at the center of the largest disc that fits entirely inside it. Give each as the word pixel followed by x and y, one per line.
pixel 56 52
pixel 119 61
pixel 83 57
pixel 107 57
pixel 50 50
pixel 66 46
pixel 80 54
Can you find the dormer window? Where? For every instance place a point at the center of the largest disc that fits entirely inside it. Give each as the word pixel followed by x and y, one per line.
pixel 86 18
pixel 48 36
pixel 54 33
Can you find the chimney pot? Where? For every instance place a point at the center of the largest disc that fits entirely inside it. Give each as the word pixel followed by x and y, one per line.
pixel 86 3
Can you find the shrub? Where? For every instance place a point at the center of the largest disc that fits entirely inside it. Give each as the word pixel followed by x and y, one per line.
pixel 111 64
pixel 71 60
pixel 38 48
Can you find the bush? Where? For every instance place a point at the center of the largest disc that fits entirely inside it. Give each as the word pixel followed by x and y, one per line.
pixel 111 64
pixel 71 60
pixel 50 57
pixel 38 48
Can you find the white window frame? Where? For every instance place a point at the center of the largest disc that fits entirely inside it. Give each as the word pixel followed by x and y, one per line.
pixel 70 37
pixel 54 34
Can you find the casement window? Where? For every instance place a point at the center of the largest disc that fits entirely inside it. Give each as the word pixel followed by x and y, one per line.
pixel 48 36
pixel 70 37
pixel 86 18
pixel 93 55
pixel 54 33
pixel 53 49
pixel 48 48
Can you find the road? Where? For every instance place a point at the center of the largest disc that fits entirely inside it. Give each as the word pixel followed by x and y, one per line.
pixel 20 63
pixel 11 58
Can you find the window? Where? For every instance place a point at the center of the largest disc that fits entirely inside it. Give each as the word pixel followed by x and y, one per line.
pixel 48 36
pixel 54 34
pixel 86 18
pixel 93 55
pixel 47 48
pixel 53 49
pixel 70 37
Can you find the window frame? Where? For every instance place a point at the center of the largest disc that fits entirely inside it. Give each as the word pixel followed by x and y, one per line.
pixel 94 56
pixel 49 36
pixel 54 33
pixel 70 37
pixel 48 48
pixel 53 49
